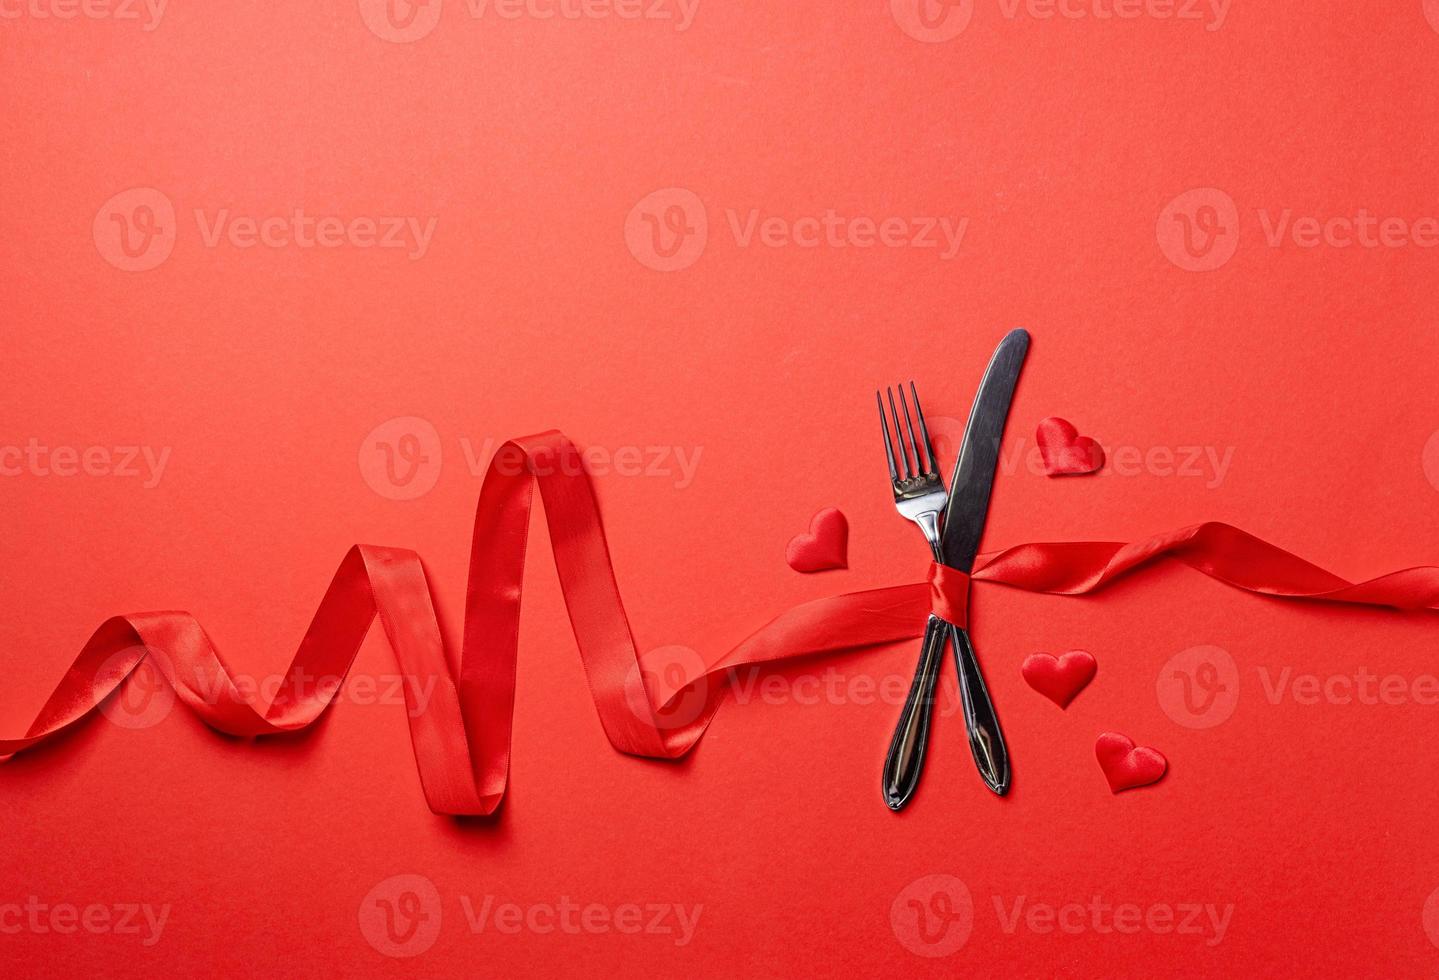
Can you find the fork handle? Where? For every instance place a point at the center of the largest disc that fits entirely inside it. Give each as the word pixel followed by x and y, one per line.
pixel 905 759
pixel 986 741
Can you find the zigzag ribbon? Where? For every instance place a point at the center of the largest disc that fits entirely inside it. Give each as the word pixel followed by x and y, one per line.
pixel 461 735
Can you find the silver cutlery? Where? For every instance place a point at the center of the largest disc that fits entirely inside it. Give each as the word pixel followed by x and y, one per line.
pixel 952 525
pixel 919 496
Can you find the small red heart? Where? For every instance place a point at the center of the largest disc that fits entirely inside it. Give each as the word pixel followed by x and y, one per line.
pixel 1059 678
pixel 1065 451
pixel 823 546
pixel 1124 765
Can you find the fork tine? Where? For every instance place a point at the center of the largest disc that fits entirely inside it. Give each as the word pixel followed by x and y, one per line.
pixel 899 434
pixel 920 465
pixel 924 430
pixel 888 449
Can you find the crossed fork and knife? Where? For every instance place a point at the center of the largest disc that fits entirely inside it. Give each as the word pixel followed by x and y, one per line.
pixel 952 522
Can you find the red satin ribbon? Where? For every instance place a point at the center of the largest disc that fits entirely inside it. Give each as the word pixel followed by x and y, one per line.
pixel 949 593
pixel 462 737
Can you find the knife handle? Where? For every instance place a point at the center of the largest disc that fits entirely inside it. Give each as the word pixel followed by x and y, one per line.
pixel 986 741
pixel 905 759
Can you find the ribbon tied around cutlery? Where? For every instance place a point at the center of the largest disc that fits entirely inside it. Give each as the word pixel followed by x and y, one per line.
pixel 949 594
pixel 462 737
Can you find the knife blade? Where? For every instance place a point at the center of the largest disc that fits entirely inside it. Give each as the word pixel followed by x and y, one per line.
pixel 973 479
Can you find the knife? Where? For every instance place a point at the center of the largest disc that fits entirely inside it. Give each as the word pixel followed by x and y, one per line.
pixel 969 492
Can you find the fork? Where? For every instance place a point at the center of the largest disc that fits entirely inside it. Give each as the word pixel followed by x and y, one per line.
pixel 919 496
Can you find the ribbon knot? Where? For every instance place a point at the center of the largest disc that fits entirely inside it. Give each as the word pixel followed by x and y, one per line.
pixel 949 594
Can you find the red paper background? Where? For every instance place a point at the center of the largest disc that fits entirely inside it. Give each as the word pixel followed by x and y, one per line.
pixel 529 140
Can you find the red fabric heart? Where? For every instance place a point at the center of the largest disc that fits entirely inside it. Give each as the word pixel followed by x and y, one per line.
pixel 1065 451
pixel 824 546
pixel 1059 678
pixel 1127 766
